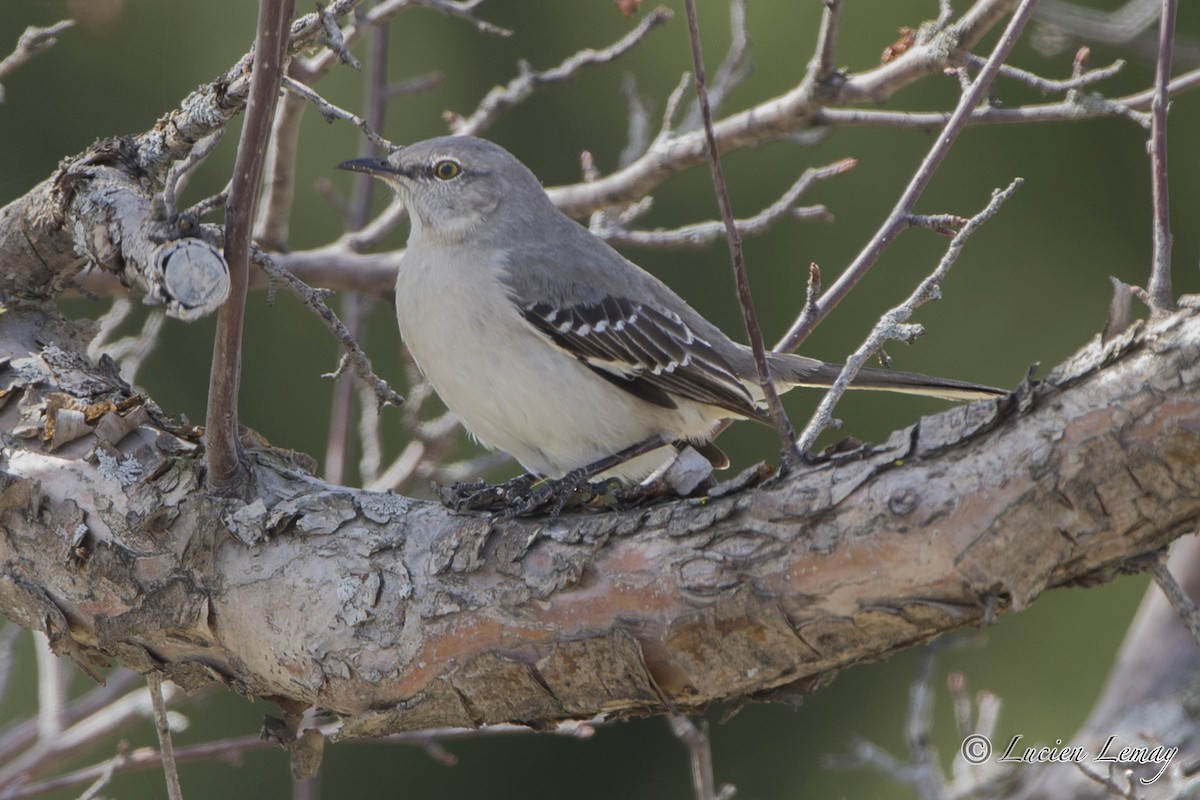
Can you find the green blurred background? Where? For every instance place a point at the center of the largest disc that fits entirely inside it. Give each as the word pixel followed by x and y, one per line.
pixel 1032 286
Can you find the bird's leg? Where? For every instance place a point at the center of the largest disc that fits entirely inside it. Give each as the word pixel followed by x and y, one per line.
pixel 557 492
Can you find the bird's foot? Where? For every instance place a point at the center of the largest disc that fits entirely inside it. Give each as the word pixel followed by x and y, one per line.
pixel 528 495
pixel 482 496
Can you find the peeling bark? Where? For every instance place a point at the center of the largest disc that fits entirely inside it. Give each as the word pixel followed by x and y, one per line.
pixel 397 615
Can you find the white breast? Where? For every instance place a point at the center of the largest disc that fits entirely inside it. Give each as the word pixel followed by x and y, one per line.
pixel 511 388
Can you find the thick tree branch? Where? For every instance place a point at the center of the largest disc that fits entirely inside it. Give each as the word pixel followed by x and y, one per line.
pixel 397 615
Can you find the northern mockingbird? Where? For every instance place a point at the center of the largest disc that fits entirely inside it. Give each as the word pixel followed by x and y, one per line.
pixel 550 345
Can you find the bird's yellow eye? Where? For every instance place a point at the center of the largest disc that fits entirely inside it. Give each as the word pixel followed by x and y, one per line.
pixel 446 169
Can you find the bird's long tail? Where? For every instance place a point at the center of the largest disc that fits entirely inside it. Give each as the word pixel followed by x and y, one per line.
pixel 800 371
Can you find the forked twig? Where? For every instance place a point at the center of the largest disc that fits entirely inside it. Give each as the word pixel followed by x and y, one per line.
pixel 894 324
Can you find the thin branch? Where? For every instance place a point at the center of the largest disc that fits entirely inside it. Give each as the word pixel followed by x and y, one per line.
pixel 163 728
pixel 702 233
pixel 20 735
pixel 894 324
pixel 165 206
pixel 783 425
pixel 225 470
pixel 141 758
pixel 695 738
pixel 106 774
pixel 905 205
pixel 33 41
pixel 331 112
pixel 1050 85
pixel 823 65
pixel 733 69
pixel 501 98
pixel 1109 781
pixel 1160 269
pixel 314 299
pixel 918 732
pixel 103 721
pixel 1185 607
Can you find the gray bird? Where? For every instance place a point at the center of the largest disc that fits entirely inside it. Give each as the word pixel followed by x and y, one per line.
pixel 553 347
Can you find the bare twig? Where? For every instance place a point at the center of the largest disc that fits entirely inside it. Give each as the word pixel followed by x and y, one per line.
pixel 894 324
pixel 1185 607
pixel 783 425
pixel 733 69
pixel 1109 781
pixel 140 758
pixel 221 436
pixel 823 65
pixel 354 355
pixel 331 112
pixel 165 207
pixel 33 41
pixel 918 732
pixel 20 735
pixel 1052 86
pixel 702 233
pixel 501 98
pixel 170 770
pixel 1160 269
pixel 106 775
pixel 695 738
pixel 924 174
pixel 922 770
pixel 334 39
pixel 104 720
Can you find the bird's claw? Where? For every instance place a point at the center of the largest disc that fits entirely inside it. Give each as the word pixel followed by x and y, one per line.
pixel 526 495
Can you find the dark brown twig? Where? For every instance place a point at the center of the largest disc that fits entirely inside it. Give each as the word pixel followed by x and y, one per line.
pixel 1160 270
pixel 221 437
pixel 782 424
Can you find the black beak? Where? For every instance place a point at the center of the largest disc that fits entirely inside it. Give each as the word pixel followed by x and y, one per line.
pixel 371 166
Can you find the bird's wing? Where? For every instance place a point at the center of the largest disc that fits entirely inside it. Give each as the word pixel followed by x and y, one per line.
pixel 647 350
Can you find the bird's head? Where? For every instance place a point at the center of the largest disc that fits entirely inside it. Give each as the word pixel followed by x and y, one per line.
pixel 452 184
